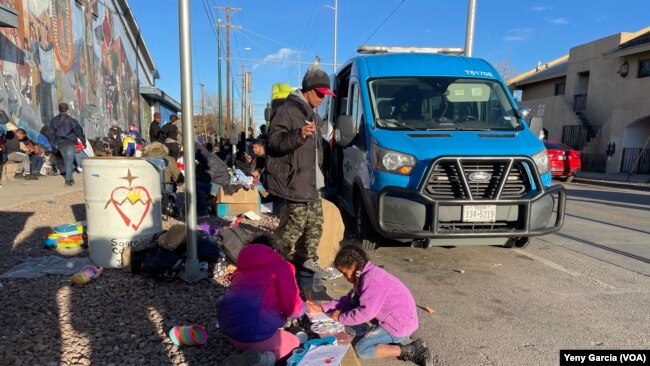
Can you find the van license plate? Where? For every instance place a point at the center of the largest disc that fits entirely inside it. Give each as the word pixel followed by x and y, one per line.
pixel 479 213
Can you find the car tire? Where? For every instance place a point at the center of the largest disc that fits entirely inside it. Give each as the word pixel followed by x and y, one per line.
pixel 364 230
pixel 568 179
pixel 517 242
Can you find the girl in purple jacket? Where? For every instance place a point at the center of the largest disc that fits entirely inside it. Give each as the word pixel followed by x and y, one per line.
pixel 379 308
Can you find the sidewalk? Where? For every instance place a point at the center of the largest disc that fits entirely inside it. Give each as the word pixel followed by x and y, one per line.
pixel 20 191
pixel 635 182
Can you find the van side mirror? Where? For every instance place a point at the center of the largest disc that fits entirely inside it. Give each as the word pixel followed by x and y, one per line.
pixel 523 112
pixel 267 114
pixel 345 130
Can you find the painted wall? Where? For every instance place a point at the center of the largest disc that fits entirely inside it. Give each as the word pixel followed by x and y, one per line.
pixel 65 52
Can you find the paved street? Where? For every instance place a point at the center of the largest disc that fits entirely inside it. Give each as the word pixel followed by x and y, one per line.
pixel 587 287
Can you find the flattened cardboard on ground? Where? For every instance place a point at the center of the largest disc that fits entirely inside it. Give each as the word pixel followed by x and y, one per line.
pixel 238 203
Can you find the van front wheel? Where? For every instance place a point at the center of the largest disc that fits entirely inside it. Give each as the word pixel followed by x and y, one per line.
pixel 364 230
pixel 519 242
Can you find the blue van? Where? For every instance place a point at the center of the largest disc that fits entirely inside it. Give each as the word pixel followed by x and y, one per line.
pixel 431 149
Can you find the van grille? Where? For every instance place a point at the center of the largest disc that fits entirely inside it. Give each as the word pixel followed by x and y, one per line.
pixel 447 177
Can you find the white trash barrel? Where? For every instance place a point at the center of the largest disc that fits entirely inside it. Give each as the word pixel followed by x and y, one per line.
pixel 123 206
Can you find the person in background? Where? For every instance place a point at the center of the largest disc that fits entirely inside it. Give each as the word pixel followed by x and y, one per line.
pixel 155 130
pixel 172 176
pixel 379 308
pixel 170 134
pixel 225 150
pixel 263 294
pixel 18 152
pixel 244 162
pixel 262 135
pixel 259 149
pixel 115 136
pixel 64 133
pixel 293 165
pixel 129 144
pixel 211 173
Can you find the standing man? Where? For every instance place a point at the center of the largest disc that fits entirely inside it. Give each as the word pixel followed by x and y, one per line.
pixel 115 135
pixel 293 163
pixel 154 129
pixel 64 133
pixel 170 134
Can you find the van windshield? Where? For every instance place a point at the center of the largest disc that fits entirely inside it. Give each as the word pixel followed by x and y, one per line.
pixel 441 103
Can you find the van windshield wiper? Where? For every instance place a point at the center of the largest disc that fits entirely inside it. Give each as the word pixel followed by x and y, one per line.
pixel 397 123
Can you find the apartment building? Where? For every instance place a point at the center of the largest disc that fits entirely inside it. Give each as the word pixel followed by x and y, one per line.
pixel 596 99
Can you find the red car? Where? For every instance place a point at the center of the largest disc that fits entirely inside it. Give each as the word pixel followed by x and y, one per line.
pixel 565 162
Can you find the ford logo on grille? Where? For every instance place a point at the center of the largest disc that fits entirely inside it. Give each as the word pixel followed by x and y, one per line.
pixel 480 177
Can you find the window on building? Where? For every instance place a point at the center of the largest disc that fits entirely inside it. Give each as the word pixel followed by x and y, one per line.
pixel 644 68
pixel 559 88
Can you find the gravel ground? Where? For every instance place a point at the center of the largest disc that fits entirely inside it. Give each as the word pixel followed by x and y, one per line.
pixel 118 319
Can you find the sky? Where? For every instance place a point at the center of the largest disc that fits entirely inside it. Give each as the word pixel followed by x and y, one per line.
pixel 294 32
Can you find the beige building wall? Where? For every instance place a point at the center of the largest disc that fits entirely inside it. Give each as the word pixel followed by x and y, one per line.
pixel 620 105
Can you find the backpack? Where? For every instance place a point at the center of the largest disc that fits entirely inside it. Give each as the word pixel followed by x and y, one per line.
pixel 232 240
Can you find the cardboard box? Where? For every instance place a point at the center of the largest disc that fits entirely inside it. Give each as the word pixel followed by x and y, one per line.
pixel 241 201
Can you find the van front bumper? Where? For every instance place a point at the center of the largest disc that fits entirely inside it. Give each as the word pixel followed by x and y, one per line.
pixel 408 214
pixel 470 197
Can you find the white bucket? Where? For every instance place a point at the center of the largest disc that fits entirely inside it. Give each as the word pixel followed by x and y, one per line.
pixel 123 206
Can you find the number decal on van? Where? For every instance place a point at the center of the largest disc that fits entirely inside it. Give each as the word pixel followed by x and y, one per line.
pixel 479 73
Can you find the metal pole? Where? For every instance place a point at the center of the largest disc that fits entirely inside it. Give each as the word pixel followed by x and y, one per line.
pixel 336 21
pixel 219 76
pixel 192 272
pixel 205 129
pixel 469 32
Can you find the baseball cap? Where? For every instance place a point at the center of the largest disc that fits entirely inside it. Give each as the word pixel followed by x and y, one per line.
pixel 325 91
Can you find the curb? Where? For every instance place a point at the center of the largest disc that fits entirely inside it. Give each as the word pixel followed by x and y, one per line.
pixel 614 184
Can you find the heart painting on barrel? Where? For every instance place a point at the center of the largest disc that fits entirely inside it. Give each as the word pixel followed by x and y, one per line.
pixel 132 203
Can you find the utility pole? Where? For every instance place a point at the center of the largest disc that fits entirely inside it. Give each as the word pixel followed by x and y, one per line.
pixel 192 273
pixel 205 130
pixel 219 77
pixel 469 31
pixel 228 9
pixel 243 98
pixel 336 22
pixel 249 114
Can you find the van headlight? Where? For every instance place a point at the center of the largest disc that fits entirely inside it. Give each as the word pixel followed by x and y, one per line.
pixel 392 161
pixel 541 161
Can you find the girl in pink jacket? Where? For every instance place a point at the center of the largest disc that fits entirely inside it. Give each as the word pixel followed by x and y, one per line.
pixel 379 308
pixel 262 296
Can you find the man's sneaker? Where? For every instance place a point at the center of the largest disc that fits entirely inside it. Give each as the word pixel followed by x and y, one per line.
pixel 69 183
pixel 79 169
pixel 416 352
pixel 31 177
pixel 334 273
pixel 19 176
pixel 312 265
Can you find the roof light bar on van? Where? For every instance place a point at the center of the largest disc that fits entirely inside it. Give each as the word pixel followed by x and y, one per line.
pixel 396 49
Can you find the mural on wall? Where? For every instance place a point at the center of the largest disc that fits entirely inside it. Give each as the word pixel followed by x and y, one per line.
pixel 65 51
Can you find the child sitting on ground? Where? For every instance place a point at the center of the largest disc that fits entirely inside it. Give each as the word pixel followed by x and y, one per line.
pixel 262 295
pixel 381 299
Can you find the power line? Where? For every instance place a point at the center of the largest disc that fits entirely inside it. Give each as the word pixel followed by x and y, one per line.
pixel 384 22
pixel 276 41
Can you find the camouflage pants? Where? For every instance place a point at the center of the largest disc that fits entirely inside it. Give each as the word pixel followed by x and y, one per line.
pixel 307 219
